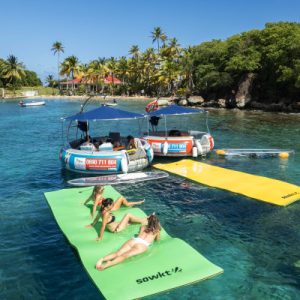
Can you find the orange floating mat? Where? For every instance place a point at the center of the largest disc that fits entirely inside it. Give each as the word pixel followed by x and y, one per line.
pixel 258 187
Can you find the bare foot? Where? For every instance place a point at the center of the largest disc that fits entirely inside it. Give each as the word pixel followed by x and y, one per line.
pixel 88 226
pixel 98 239
pixel 140 202
pixel 99 263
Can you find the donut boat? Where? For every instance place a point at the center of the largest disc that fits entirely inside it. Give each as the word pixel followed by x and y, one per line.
pixel 103 154
pixel 174 142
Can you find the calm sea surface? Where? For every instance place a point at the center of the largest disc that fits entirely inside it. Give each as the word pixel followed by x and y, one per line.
pixel 257 244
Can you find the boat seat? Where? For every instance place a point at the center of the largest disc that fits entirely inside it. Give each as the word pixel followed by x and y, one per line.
pixel 88 147
pixel 174 132
pixel 106 147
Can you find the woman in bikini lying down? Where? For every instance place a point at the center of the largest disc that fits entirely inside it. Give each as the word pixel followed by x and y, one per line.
pixel 109 220
pixel 137 245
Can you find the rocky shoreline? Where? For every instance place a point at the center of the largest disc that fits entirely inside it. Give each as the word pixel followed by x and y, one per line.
pixel 241 104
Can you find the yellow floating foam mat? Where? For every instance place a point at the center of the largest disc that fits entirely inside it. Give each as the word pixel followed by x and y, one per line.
pixel 253 186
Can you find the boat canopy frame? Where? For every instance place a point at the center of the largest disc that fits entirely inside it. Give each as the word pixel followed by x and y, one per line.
pixel 176 110
pixel 102 113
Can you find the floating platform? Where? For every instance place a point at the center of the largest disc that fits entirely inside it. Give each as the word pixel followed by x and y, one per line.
pixel 128 178
pixel 257 187
pixel 255 153
pixel 168 264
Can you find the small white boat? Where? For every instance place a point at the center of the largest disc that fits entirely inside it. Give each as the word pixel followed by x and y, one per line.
pixel 113 103
pixel 110 104
pixel 33 103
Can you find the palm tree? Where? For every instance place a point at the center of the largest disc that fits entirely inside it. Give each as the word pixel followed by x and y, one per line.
pixel 169 75
pixel 158 35
pixel 71 67
pixel 57 48
pixel 148 70
pixel 187 70
pixel 50 81
pixel 12 70
pixel 135 51
pixel 112 66
pixel 172 51
pixel 122 72
pixel 96 71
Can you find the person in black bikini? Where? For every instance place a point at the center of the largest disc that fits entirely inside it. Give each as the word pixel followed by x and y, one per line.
pixel 97 197
pixel 109 220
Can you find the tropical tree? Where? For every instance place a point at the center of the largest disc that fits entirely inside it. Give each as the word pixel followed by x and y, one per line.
pixel 122 70
pixel 135 51
pixel 169 76
pixel 96 72
pixel 57 48
pixel 13 70
pixel 187 70
pixel 158 35
pixel 149 71
pixel 111 65
pixel 71 68
pixel 50 80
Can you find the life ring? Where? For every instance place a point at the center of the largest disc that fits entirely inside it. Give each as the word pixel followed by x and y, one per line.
pixel 152 106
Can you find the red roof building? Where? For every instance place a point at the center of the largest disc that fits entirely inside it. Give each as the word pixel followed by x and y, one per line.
pixel 107 80
pixel 112 80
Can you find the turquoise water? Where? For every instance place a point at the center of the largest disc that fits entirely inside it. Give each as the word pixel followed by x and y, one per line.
pixel 257 245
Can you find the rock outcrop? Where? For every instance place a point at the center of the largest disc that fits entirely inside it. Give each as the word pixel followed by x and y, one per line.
pixel 195 100
pixel 183 102
pixel 243 95
pixel 222 103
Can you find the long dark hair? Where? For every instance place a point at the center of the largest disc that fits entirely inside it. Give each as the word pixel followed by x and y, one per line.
pixel 153 225
pixel 106 202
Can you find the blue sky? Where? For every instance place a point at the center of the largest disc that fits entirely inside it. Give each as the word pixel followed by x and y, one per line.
pixel 95 28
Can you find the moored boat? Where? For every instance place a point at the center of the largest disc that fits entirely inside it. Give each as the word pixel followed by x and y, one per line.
pixel 113 103
pixel 177 142
pixel 106 153
pixel 32 103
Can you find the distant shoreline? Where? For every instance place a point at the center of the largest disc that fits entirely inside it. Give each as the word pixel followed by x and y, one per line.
pixel 106 98
pixel 142 99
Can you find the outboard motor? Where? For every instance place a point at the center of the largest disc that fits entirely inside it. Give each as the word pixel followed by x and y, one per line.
pixel 207 143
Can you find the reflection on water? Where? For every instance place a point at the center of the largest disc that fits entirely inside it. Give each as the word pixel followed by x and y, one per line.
pixel 257 244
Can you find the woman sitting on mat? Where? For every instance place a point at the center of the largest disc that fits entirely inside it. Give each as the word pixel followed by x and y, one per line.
pixel 109 220
pixel 97 197
pixel 137 245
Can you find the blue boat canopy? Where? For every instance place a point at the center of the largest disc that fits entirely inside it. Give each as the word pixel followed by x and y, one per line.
pixel 105 113
pixel 175 110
